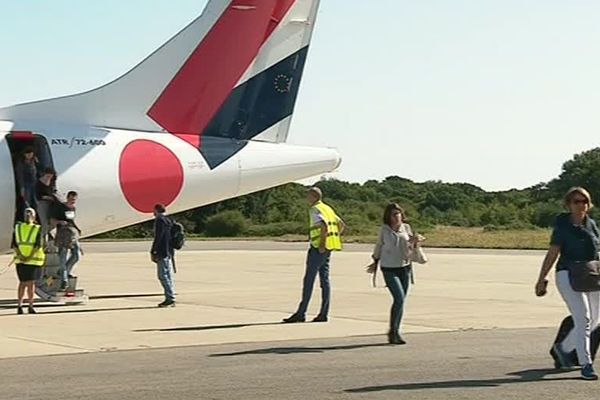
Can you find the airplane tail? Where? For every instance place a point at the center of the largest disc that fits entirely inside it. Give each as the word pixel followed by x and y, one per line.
pixel 232 75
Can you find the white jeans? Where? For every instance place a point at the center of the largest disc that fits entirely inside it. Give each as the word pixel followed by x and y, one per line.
pixel 585 310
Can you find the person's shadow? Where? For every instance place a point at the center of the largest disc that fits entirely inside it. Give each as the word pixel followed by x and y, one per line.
pixel 207 327
pixel 528 375
pixel 299 350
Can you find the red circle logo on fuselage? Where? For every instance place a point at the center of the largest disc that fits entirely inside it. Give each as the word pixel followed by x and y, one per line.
pixel 149 173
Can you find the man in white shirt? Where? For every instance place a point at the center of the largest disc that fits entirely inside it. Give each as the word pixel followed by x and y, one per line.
pixel 325 230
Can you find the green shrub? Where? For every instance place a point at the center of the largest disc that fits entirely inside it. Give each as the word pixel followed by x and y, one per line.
pixel 357 224
pixel 278 229
pixel 227 223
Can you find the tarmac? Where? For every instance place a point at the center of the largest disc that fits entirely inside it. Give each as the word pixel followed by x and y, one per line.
pixel 472 316
pixel 490 364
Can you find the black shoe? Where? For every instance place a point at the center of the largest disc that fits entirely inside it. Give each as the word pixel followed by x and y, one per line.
pixel 19 310
pixel 395 338
pixel 320 318
pixel 293 319
pixel 167 303
pixel 63 285
pixel 31 310
pixel 391 338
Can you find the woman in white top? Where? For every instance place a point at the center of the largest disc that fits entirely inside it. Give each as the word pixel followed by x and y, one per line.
pixel 393 254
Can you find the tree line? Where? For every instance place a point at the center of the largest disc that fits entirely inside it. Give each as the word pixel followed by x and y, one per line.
pixel 282 210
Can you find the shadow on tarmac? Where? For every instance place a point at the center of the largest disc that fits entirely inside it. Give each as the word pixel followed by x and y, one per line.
pixel 125 296
pixel 95 310
pixel 11 303
pixel 83 311
pixel 529 375
pixel 299 350
pixel 207 328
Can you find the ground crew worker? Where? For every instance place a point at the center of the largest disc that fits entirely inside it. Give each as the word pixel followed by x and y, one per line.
pixel 29 257
pixel 325 229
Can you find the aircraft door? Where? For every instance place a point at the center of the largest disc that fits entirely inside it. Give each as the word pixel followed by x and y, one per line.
pixel 7 194
pixel 17 142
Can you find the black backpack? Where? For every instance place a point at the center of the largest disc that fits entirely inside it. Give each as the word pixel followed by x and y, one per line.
pixel 177 235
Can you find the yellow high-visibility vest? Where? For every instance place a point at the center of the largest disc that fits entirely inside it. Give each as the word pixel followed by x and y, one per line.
pixel 26 236
pixel 330 218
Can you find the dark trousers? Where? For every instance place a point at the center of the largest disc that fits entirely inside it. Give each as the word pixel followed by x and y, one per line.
pixel 398 282
pixel 316 263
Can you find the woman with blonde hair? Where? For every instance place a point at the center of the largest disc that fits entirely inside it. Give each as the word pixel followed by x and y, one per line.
pixel 575 242
pixel 392 254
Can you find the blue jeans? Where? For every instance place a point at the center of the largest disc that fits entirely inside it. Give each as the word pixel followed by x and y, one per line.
pixel 398 282
pixel 164 270
pixel 316 263
pixel 66 265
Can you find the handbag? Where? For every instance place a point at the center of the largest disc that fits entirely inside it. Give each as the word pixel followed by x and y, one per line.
pixel 584 276
pixel 418 255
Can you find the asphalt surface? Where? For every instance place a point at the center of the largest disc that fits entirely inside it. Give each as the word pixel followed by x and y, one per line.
pixel 489 364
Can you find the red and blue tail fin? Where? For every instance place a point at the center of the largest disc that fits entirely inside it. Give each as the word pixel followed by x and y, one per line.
pixel 230 76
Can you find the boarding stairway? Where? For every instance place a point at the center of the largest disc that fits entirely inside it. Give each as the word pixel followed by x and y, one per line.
pixel 48 286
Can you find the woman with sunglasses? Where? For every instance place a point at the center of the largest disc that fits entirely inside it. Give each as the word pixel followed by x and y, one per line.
pixel 574 238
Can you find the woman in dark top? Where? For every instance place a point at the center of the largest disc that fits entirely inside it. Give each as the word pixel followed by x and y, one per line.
pixel 574 238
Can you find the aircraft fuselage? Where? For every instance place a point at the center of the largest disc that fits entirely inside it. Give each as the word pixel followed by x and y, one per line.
pixel 120 175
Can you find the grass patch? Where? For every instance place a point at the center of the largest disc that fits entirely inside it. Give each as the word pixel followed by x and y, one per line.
pixel 476 238
pixel 449 236
pixel 440 236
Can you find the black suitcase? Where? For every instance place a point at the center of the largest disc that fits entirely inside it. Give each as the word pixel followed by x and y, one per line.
pixel 565 327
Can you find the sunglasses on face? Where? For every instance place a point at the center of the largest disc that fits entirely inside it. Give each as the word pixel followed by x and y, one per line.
pixel 580 201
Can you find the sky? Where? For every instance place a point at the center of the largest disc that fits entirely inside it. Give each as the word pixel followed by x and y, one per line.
pixel 497 93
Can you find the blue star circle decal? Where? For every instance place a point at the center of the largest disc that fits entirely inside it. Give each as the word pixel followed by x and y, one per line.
pixel 283 83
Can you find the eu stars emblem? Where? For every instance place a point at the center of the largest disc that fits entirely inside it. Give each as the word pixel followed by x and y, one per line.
pixel 283 83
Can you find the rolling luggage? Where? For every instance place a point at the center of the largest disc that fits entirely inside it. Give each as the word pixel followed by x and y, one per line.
pixel 565 327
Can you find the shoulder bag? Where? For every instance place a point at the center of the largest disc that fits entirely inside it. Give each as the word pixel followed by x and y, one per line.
pixel 584 276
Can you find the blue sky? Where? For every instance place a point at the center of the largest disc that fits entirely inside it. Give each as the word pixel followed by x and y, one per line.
pixel 498 93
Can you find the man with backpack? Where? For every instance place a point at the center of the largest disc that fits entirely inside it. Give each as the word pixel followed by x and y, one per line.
pixel 162 253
